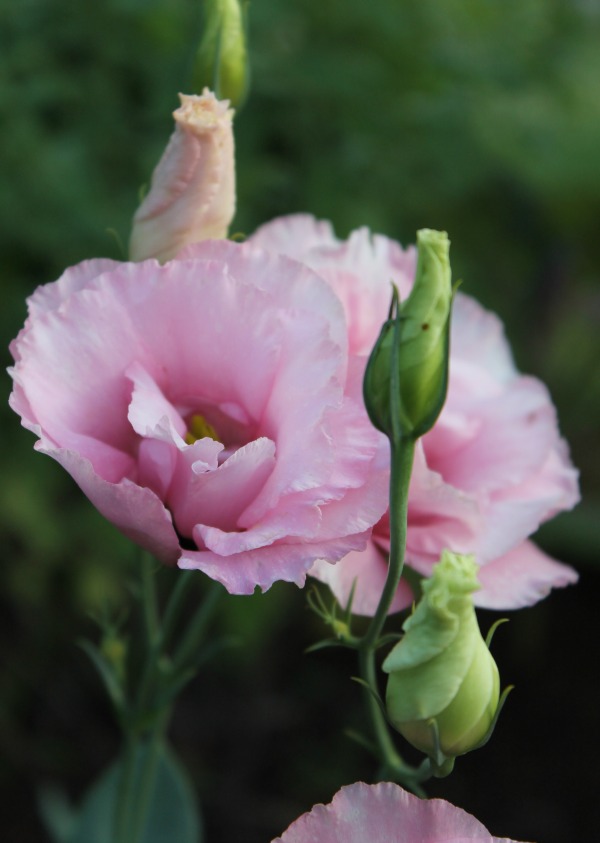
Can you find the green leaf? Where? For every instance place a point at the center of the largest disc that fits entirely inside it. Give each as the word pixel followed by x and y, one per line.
pixel 57 813
pixel 172 816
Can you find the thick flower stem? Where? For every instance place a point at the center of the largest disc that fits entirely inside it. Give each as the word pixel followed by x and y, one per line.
pixel 402 455
pixel 390 758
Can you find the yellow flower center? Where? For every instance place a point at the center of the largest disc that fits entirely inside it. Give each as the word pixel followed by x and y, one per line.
pixel 199 428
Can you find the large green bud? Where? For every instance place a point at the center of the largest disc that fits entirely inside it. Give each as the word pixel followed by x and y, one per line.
pixel 222 61
pixel 443 688
pixel 407 374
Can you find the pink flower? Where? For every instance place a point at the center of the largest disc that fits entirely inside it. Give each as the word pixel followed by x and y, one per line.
pixel 192 196
pixel 492 469
pixel 208 408
pixel 385 813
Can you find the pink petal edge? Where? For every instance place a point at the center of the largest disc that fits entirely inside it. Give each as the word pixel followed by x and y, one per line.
pixel 385 813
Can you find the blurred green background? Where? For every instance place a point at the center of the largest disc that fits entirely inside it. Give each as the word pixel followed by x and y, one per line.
pixel 478 116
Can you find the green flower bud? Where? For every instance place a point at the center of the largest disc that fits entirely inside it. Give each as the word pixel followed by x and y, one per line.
pixel 443 688
pixel 114 650
pixel 407 373
pixel 222 62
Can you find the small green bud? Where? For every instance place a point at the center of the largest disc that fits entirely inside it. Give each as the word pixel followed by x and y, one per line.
pixel 407 374
pixel 114 650
pixel 443 688
pixel 222 61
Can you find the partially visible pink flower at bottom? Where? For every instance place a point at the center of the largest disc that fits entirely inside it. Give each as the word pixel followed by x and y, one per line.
pixel 385 813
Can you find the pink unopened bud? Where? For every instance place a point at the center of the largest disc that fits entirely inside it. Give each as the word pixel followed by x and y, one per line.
pixel 192 195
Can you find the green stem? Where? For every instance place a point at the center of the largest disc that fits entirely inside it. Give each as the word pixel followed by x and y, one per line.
pixel 153 641
pixel 148 713
pixel 389 756
pixel 186 652
pixel 402 455
pixel 126 791
pixel 147 780
pixel 175 605
pixel 149 600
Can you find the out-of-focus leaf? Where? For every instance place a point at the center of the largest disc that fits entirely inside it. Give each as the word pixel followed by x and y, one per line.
pixel 172 816
pixel 60 818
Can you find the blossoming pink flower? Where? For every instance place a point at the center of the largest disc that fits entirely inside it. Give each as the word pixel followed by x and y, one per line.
pixel 385 813
pixel 208 408
pixel 492 469
pixel 192 196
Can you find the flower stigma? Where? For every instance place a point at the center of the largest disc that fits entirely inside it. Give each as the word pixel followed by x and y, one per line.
pixel 200 429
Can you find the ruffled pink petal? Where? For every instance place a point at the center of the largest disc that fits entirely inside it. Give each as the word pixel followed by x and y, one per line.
pixel 478 335
pixel 515 431
pixel 217 498
pixel 72 360
pixel 110 463
pixel 366 572
pixel 360 270
pixel 115 368
pixel 520 578
pixel 375 259
pixel 137 512
pixel 156 464
pixel 494 467
pixel 295 235
pixel 385 813
pixel 150 413
pixel 439 516
pixel 300 524
pixel 197 347
pixel 515 514
pixel 290 284
pixel 310 383
pixel 163 449
pixel 151 315
pixel 342 448
pixel 288 561
pixel 75 278
pixel 354 443
pixel 358 508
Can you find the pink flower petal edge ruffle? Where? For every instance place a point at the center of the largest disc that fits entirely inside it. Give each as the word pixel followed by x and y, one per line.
pixel 385 813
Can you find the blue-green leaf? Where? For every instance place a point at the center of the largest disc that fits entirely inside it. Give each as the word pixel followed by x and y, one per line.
pixel 172 813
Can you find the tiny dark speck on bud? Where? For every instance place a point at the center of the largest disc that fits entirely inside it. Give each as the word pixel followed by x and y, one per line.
pixel 425 326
